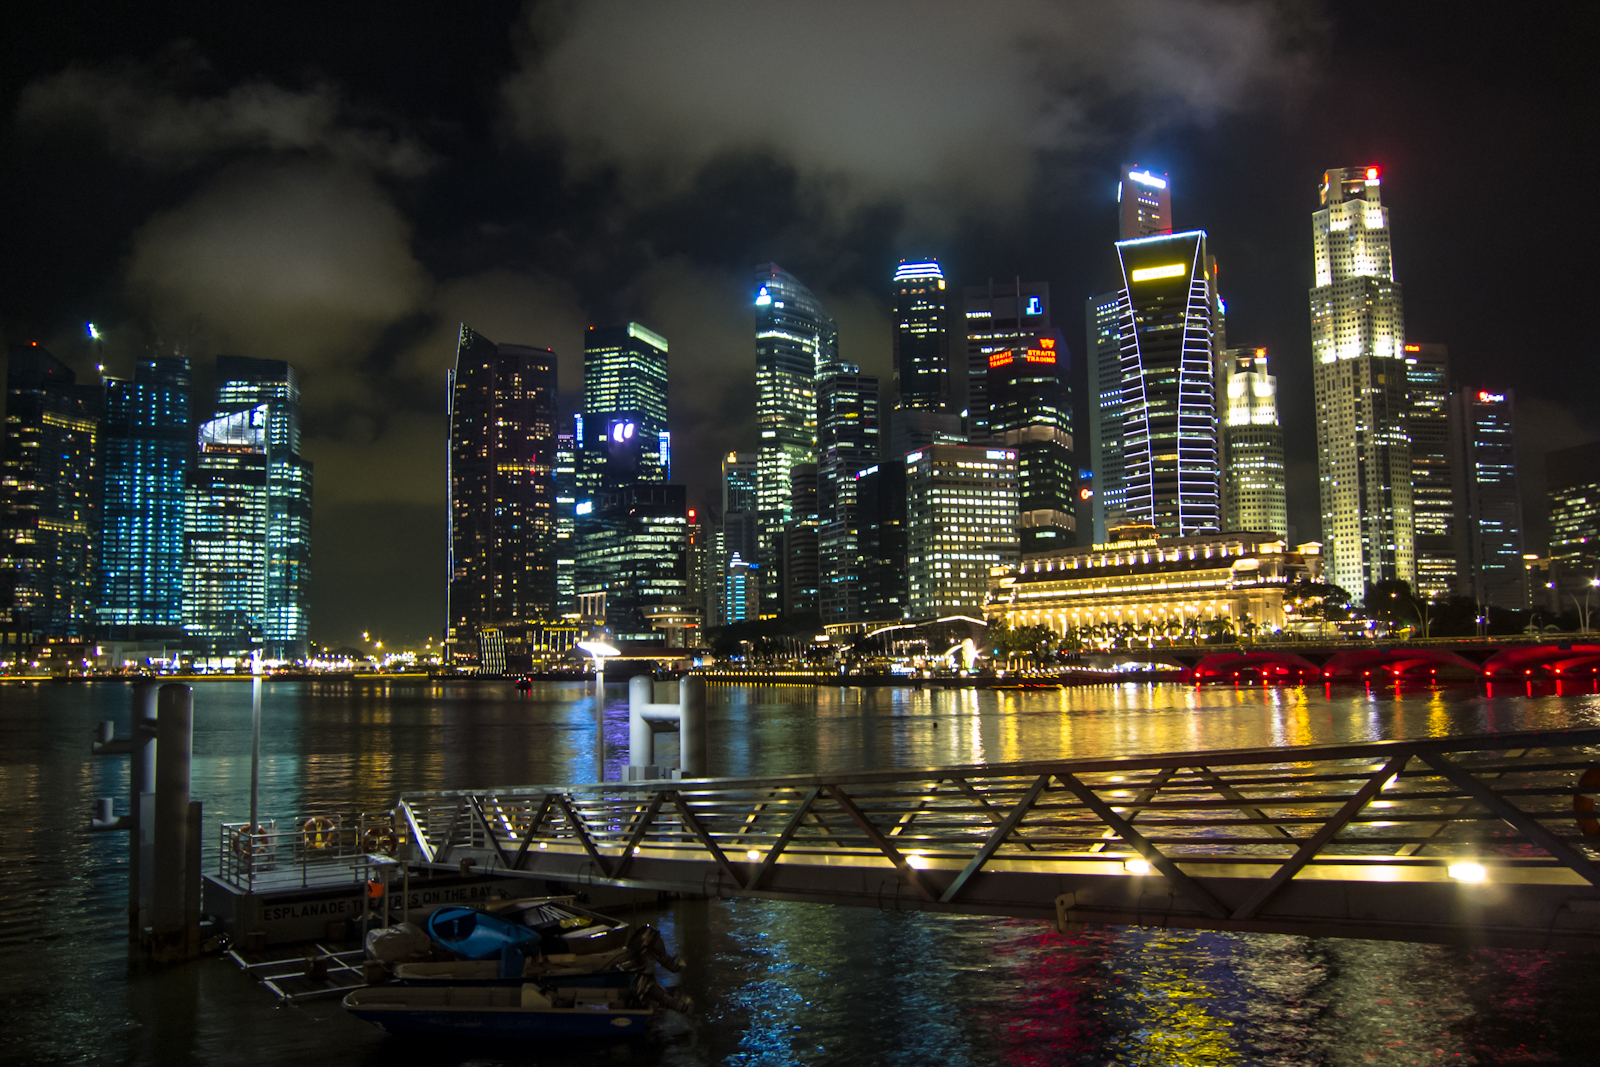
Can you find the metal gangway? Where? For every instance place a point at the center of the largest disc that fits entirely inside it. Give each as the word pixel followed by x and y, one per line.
pixel 1480 840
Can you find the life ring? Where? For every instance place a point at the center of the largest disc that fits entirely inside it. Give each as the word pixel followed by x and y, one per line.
pixel 1582 802
pixel 250 841
pixel 317 832
pixel 379 839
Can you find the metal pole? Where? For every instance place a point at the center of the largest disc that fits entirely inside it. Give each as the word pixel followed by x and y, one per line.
pixel 599 719
pixel 255 766
pixel 174 751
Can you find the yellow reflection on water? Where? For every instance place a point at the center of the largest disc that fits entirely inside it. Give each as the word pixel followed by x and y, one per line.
pixel 1179 1026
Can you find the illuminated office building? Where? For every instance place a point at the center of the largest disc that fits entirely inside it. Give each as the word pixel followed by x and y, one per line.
pixel 961 520
pixel 1030 412
pixel 49 500
pixel 502 498
pixel 881 540
pixel 847 426
pixel 1253 443
pixel 1102 315
pixel 1432 492
pixel 633 559
pixel 921 337
pixel 226 524
pixel 145 447
pixel 802 579
pixel 999 318
pixel 739 481
pixel 796 339
pixel 624 409
pixel 1167 321
pixel 1572 480
pixel 1488 520
pixel 1359 381
pixel 565 477
pixel 244 384
pixel 1144 202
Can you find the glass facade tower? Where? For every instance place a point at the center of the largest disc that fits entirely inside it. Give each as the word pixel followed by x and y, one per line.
pixel 1253 443
pixel 624 408
pixel 633 557
pixel 847 424
pixel 502 546
pixel 961 517
pixel 49 499
pixel 1168 312
pixel 1488 520
pixel 1101 316
pixel 921 337
pixel 1432 491
pixel 226 518
pixel 145 450
pixel 1359 380
pixel 1572 480
pixel 796 339
pixel 242 385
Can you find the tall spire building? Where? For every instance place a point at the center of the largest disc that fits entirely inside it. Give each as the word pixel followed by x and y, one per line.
pixel 1359 378
pixel 796 339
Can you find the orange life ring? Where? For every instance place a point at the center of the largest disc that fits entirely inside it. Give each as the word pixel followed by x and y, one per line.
pixel 1582 802
pixel 379 839
pixel 250 841
pixel 317 832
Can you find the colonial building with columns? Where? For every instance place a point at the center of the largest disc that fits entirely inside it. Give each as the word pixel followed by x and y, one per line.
pixel 1161 587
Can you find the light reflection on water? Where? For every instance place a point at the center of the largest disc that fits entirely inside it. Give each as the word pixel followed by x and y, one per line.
pixel 776 983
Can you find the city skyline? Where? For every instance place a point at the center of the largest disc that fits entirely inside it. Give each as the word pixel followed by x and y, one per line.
pixel 371 370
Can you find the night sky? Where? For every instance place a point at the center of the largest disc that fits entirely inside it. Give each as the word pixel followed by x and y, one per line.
pixel 339 185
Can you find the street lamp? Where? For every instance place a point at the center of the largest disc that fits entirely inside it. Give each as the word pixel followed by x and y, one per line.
pixel 1583 609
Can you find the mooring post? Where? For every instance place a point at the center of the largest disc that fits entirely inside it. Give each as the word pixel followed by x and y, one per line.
pixel 692 741
pixel 174 752
pixel 641 736
pixel 192 884
pixel 142 804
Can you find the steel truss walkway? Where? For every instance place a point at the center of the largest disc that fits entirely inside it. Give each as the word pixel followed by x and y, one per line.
pixel 1480 840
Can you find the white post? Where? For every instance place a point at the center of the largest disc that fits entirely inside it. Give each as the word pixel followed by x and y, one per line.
pixel 641 737
pixel 692 739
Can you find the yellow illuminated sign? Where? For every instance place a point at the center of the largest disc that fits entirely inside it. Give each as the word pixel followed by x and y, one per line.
pixel 1171 270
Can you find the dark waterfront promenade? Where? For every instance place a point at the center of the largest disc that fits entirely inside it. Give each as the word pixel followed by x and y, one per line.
pixel 775 983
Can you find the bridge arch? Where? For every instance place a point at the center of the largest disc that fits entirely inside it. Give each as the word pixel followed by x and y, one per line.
pixel 1366 663
pixel 1565 657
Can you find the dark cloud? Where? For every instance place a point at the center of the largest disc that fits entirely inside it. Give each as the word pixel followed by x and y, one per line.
pixel 931 103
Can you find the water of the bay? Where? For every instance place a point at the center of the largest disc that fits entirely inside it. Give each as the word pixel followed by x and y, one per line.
pixel 774 983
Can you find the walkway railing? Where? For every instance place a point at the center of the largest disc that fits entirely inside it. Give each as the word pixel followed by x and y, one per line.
pixel 304 852
pixel 1465 839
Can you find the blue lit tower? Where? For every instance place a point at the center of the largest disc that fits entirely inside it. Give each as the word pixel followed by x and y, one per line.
pixel 1488 519
pixel 145 447
pixel 49 500
pixel 1168 311
pixel 624 408
pixel 795 339
pixel 244 384
pixel 226 519
pixel 502 490
pixel 921 337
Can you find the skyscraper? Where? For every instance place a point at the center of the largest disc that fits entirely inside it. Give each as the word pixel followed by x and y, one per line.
pixel 921 338
pixel 1030 411
pixel 1432 492
pixel 226 521
pixel 49 499
pixel 801 568
pixel 1253 443
pixel 739 482
pixel 1359 378
pixel 961 504
pixel 847 425
pixel 1144 201
pixel 502 493
pixel 881 540
pixel 624 408
pixel 145 449
pixel 999 318
pixel 244 384
pixel 566 486
pixel 1488 517
pixel 1572 479
pixel 633 557
pixel 795 339
pixel 740 542
pixel 1101 316
pixel 1168 307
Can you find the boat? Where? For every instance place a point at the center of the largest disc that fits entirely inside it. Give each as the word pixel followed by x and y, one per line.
pixel 497 1011
pixel 515 966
